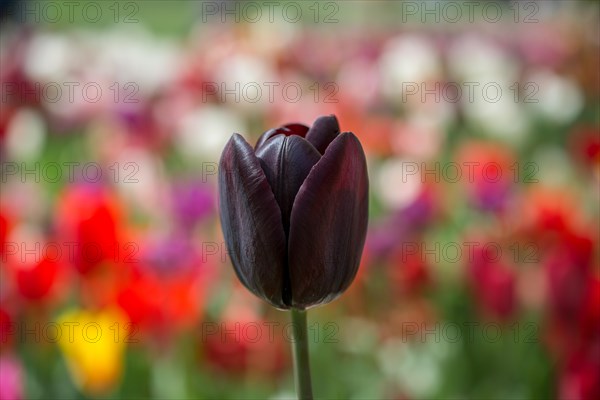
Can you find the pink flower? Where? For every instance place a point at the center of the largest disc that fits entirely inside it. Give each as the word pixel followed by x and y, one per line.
pixel 11 378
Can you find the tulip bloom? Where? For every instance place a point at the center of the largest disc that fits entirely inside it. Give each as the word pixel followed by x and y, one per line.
pixel 36 282
pixel 95 346
pixel 90 216
pixel 294 212
pixel 493 282
pixel 11 378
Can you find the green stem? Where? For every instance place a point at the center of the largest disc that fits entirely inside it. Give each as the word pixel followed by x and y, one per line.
pixel 300 349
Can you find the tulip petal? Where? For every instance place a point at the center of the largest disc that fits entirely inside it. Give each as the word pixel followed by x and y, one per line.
pixel 328 224
pixel 323 131
pixel 251 222
pixel 295 129
pixel 286 161
pixel 289 129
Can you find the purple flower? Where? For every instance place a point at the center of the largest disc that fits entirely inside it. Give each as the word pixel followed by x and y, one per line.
pixel 192 202
pixel 170 255
pixel 294 212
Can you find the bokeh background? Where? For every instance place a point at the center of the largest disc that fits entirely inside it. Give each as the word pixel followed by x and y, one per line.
pixel 480 121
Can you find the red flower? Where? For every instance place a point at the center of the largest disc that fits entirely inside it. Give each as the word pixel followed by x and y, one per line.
pixel 581 378
pixel 410 272
pixel 573 292
pixel 567 285
pixel 585 143
pixel 242 341
pixel 546 213
pixel 493 282
pixel 6 329
pixel 35 283
pixel 161 305
pixel 589 319
pixel 166 289
pixel 90 217
pixel 237 348
pixel 4 227
pixel 139 299
pixel 34 269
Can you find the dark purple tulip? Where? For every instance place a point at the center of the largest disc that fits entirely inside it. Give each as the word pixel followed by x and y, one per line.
pixel 294 212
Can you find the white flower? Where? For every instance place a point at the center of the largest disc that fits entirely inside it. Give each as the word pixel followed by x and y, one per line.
pixel 203 133
pixel 398 183
pixel 556 98
pixel 25 135
pixel 407 59
pixel 49 57
pixel 472 58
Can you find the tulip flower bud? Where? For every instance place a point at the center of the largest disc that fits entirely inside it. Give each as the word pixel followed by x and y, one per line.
pixel 93 344
pixel 294 212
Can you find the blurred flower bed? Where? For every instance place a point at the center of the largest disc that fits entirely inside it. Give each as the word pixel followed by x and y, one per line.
pixel 480 274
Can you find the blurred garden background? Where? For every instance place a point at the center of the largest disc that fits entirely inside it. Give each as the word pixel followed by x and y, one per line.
pixel 480 120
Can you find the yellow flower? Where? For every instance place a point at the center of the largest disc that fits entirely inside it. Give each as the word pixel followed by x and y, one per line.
pixel 93 343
